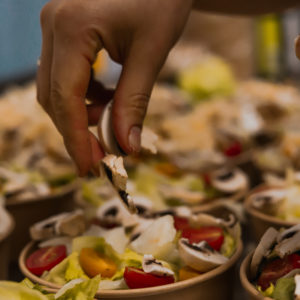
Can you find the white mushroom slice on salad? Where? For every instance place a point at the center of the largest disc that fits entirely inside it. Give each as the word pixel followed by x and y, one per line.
pixel 113 167
pixel 65 224
pixel 229 181
pixel 200 256
pixel 155 267
pixel 297 288
pixel 285 234
pixel 263 249
pixel 181 194
pixel 288 245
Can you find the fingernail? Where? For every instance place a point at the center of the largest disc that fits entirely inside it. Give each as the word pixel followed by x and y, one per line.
pixel 135 139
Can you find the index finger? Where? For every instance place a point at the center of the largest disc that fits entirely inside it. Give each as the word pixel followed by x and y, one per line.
pixel 69 83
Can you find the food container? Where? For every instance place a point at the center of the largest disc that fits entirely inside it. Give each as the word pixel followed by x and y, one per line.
pixel 252 292
pixel 6 228
pixel 259 222
pixel 28 212
pixel 203 286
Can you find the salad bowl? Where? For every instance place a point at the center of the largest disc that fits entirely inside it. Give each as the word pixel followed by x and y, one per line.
pixel 6 229
pixel 203 286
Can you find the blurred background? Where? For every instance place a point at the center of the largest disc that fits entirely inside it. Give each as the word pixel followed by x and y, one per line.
pixel 260 46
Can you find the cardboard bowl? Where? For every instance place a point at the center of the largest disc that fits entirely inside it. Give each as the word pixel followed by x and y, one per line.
pixel 26 213
pixel 252 292
pixel 259 222
pixel 213 285
pixel 5 243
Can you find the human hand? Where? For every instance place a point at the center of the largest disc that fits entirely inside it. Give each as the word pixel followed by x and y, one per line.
pixel 136 33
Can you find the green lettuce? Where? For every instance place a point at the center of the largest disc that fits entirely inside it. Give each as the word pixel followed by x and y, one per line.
pixel 284 289
pixel 267 292
pixel 228 246
pixel 66 270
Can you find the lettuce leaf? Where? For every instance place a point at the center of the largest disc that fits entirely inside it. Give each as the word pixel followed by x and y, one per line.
pixel 284 289
pixel 228 246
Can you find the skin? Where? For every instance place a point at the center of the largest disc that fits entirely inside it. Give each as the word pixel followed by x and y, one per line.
pixel 137 34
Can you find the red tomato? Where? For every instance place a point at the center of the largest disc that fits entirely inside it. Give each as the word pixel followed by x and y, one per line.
pixel 181 223
pixel 212 235
pixel 233 150
pixel 137 279
pixel 277 268
pixel 45 259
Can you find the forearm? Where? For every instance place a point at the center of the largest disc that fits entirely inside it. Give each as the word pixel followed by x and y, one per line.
pixel 252 7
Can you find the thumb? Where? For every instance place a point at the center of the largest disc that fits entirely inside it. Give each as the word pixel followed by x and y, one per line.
pixel 133 91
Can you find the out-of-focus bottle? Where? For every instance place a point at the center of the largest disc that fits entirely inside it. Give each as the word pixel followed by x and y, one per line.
pixel 269 47
pixel 291 29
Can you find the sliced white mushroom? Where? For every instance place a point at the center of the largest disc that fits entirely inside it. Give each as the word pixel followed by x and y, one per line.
pixel 181 194
pixel 200 256
pixel 264 247
pixel 65 224
pixel 153 266
pixel 288 233
pixel 269 201
pixel 229 181
pixel 106 133
pixel 148 140
pixel 113 167
pixel 288 245
pixel 113 212
pixel 297 288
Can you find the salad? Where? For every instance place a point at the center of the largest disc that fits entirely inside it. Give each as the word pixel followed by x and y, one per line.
pixel 153 249
pixel 278 197
pixel 275 264
pixel 26 290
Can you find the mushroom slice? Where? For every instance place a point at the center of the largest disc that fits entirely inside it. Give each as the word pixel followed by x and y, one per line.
pixel 288 245
pixel 114 169
pixel 112 212
pixel 181 194
pixel 229 181
pixel 148 140
pixel 297 288
pixel 269 201
pixel 264 247
pixel 201 256
pixel 288 233
pixel 65 224
pixel 153 266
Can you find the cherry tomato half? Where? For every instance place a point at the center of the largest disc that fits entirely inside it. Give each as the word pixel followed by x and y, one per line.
pixel 211 234
pixel 45 259
pixel 136 279
pixel 181 223
pixel 277 268
pixel 233 150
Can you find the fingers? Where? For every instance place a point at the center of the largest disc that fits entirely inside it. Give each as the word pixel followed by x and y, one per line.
pixel 297 46
pixel 70 75
pixel 133 91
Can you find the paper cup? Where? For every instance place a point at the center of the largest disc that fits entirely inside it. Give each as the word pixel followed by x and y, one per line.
pixel 252 292
pixel 7 226
pixel 28 212
pixel 259 222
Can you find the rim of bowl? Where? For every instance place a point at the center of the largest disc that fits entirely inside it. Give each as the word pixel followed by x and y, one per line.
pixel 10 227
pixel 260 215
pixel 135 292
pixel 247 285
pixel 65 190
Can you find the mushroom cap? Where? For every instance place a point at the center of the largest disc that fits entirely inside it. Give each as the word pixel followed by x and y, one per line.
pixel 153 266
pixel 288 245
pixel 266 243
pixel 229 181
pixel 201 256
pixel 106 133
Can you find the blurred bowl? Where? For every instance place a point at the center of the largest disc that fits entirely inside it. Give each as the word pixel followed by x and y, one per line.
pixel 259 221
pixel 253 293
pixel 6 228
pixel 26 213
